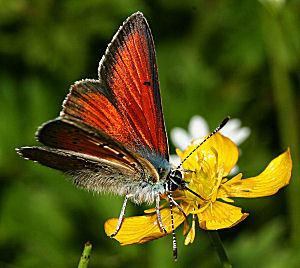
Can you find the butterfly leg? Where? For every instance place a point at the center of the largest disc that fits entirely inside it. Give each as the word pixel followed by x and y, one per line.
pixel 178 206
pixel 158 213
pixel 121 216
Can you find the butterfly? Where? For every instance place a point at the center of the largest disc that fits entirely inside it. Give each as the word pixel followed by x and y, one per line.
pixel 110 135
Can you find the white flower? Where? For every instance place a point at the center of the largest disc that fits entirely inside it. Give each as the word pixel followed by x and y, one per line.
pixel 198 127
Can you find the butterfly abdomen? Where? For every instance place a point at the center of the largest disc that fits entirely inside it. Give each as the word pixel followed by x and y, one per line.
pixel 105 181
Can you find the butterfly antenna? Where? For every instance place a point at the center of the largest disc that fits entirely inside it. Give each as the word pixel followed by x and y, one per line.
pixel 173 229
pixel 224 122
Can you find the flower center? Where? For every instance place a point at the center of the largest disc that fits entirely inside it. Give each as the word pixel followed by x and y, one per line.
pixel 207 177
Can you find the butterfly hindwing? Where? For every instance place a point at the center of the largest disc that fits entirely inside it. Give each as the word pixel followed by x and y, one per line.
pixel 87 171
pixel 79 137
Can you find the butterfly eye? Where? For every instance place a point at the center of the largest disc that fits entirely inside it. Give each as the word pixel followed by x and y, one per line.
pixel 175 180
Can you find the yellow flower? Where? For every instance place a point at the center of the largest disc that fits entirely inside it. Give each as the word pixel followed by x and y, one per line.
pixel 209 166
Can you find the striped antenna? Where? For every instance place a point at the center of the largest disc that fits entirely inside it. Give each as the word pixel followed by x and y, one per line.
pixel 224 122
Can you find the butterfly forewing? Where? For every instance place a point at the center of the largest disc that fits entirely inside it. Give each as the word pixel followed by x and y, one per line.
pixel 125 103
pixel 89 103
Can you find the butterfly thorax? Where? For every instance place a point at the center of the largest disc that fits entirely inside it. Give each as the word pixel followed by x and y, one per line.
pixel 169 179
pixel 153 183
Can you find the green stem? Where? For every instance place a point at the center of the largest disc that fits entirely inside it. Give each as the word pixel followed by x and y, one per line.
pixel 218 245
pixel 282 64
pixel 85 257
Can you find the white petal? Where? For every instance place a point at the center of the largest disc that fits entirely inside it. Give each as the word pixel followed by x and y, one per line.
pixel 198 127
pixel 180 138
pixel 175 159
pixel 233 131
pixel 241 135
pixel 234 171
pixel 231 126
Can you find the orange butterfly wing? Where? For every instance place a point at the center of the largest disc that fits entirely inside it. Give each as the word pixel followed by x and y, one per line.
pixel 125 102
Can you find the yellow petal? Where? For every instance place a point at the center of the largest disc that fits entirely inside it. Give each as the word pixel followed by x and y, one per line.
pixel 186 227
pixel 220 215
pixel 226 188
pixel 141 229
pixel 191 235
pixel 276 175
pixel 152 210
pixel 227 153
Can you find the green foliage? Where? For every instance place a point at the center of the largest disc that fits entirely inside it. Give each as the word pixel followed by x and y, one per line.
pixel 215 58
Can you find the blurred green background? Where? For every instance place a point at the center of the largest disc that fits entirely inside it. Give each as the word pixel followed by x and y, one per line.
pixel 215 58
